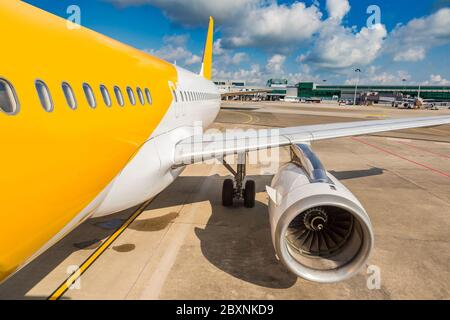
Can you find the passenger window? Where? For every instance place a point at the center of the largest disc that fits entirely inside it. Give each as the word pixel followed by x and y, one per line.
pixel 89 95
pixel 140 95
pixel 131 96
pixel 119 96
pixel 44 96
pixel 8 98
pixel 70 96
pixel 106 97
pixel 149 96
pixel 175 95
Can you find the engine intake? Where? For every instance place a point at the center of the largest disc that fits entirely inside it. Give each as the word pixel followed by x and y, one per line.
pixel 320 231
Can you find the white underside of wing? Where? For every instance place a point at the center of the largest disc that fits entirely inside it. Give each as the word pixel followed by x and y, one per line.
pixel 217 146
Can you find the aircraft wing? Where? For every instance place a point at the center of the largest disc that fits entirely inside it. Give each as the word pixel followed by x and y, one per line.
pixel 216 146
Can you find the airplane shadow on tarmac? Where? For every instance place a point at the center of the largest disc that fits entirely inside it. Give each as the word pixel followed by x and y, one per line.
pixel 236 240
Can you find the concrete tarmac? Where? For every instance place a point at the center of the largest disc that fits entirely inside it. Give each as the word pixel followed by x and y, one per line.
pixel 185 245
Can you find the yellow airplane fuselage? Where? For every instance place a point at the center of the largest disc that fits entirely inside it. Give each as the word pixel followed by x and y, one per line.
pixel 55 163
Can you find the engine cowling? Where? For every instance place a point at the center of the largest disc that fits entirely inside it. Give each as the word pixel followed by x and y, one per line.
pixel 320 230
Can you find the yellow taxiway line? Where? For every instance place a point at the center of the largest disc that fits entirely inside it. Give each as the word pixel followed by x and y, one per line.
pixel 61 290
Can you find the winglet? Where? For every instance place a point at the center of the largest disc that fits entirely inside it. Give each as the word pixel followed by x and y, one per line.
pixel 206 71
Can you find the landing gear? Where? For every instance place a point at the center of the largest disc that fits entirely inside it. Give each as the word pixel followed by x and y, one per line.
pixel 227 193
pixel 235 189
pixel 249 194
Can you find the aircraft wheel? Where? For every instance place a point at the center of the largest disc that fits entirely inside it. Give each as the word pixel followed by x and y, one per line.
pixel 249 194
pixel 227 193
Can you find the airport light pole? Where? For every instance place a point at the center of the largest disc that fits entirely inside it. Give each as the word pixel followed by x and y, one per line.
pixel 358 72
pixel 404 87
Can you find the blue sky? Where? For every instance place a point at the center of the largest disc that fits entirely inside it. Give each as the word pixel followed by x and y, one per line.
pixel 302 41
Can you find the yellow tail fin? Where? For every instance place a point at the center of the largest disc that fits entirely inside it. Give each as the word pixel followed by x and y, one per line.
pixel 208 53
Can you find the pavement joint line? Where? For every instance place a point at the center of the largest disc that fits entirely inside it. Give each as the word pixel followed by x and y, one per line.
pixel 151 256
pixel 63 287
pixel 154 286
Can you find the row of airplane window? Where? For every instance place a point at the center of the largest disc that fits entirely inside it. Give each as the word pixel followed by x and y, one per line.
pixel 191 96
pixel 9 102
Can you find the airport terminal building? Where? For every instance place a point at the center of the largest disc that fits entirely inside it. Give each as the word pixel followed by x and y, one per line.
pixel 311 90
pixel 277 89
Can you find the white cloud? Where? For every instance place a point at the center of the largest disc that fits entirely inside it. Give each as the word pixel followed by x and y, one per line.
pixel 257 75
pixel 304 74
pixel 245 23
pixel 229 58
pixel 338 9
pixel 410 54
pixel 301 58
pixel 194 59
pixel 252 75
pixel 437 79
pixel 274 27
pixel 411 42
pixel 282 28
pixel 374 75
pixel 275 64
pixel 171 53
pixel 218 50
pixel 175 50
pixel 338 47
pixel 176 39
pixel 194 12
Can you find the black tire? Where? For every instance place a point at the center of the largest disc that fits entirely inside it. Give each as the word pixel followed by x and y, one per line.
pixel 227 193
pixel 249 194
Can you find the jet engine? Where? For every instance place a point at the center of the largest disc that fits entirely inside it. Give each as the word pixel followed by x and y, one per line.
pixel 320 231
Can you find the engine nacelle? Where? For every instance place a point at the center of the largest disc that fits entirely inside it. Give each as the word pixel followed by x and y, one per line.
pixel 320 231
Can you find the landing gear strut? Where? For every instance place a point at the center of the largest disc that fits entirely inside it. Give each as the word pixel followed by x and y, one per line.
pixel 235 189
